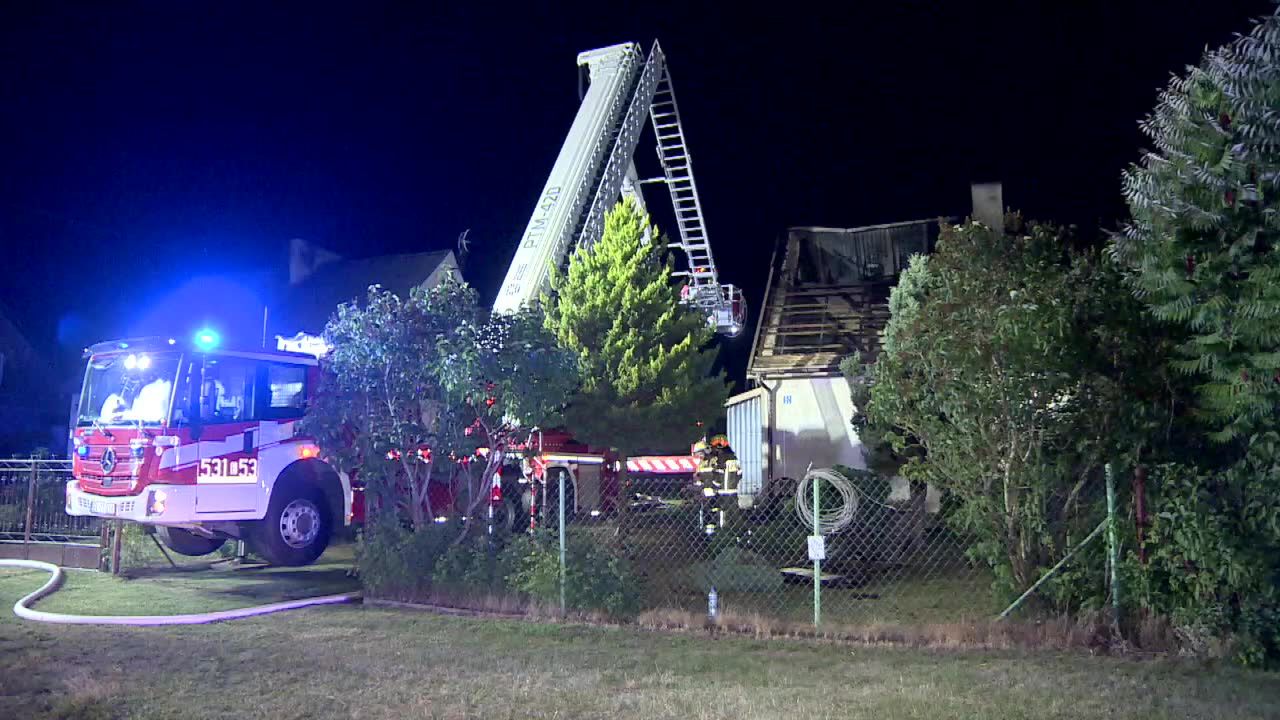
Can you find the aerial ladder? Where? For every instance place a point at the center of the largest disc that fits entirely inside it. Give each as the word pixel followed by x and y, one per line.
pixel 596 167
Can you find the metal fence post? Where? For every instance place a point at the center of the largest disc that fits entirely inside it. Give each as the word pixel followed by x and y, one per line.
pixel 104 544
pixel 1113 546
pixel 817 563
pixel 31 511
pixel 115 547
pixel 561 475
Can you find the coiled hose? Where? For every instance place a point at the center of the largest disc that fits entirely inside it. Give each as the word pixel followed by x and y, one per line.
pixel 834 518
pixel 23 609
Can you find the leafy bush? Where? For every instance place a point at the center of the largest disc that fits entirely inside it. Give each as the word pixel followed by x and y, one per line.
pixel 136 548
pixel 472 568
pixel 1214 565
pixel 597 576
pixel 1009 328
pixel 399 563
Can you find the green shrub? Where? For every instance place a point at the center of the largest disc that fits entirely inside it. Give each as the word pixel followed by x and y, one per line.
pixel 598 577
pixel 1214 561
pixel 137 549
pixel 472 567
pixel 399 563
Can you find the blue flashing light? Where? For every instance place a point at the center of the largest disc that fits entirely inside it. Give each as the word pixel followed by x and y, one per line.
pixel 207 339
pixel 83 451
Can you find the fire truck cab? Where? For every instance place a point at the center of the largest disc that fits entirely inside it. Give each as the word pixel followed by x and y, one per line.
pixel 201 443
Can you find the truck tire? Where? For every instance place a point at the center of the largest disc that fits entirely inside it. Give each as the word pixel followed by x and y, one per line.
pixel 296 529
pixel 506 516
pixel 185 542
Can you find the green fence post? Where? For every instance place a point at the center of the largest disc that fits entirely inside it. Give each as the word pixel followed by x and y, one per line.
pixel 1113 546
pixel 817 564
pixel 561 475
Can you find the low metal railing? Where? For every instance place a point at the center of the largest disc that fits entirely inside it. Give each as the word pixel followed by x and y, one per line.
pixel 33 504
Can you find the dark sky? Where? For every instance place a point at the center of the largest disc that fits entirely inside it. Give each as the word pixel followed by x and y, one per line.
pixel 148 143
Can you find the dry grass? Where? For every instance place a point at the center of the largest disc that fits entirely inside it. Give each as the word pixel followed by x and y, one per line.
pixel 1089 633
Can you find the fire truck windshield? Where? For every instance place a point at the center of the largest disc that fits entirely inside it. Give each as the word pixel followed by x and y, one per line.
pixel 128 389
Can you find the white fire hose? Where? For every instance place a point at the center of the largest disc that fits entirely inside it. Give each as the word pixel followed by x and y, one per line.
pixel 831 519
pixel 23 609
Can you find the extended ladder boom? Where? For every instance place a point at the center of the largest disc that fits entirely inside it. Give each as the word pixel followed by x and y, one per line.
pixel 595 166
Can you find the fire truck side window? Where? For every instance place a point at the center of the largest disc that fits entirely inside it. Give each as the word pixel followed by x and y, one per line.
pixel 286 397
pixel 227 390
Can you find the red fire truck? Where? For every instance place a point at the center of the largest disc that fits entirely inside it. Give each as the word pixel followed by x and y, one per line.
pixel 201 443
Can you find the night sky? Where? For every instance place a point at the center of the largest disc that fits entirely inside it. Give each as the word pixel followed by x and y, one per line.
pixel 146 144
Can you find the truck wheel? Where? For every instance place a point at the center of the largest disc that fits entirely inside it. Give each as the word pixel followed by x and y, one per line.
pixel 506 516
pixel 185 542
pixel 296 529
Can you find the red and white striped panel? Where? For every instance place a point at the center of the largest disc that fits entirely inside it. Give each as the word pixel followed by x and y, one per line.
pixel 662 464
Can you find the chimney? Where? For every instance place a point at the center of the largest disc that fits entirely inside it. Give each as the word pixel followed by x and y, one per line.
pixel 988 204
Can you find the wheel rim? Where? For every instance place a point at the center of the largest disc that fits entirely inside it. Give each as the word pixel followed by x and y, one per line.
pixel 299 523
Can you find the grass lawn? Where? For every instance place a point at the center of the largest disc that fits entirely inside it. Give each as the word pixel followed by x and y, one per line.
pixel 350 661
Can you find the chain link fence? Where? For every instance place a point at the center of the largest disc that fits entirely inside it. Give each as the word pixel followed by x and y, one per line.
pixel 886 553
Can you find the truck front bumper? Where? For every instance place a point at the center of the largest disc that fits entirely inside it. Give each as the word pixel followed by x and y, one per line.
pixel 156 504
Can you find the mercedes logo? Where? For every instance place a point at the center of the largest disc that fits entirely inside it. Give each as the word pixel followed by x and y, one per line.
pixel 108 460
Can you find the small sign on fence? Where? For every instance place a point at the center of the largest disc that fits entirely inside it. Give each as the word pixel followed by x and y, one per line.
pixel 817 547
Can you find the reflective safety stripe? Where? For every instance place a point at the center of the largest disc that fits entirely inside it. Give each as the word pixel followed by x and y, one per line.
pixel 266 434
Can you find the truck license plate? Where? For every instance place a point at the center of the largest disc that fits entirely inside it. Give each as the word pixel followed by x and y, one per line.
pixel 101 507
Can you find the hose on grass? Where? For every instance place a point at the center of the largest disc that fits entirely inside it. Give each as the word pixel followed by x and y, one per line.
pixel 23 608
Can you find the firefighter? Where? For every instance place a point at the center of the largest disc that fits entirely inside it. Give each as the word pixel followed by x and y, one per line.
pixel 717 478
